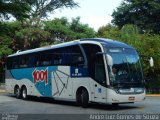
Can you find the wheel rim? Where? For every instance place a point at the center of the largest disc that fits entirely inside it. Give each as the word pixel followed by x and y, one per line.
pixel 17 92
pixel 24 93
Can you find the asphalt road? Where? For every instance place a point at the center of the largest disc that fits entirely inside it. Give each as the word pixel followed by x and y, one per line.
pixel 42 107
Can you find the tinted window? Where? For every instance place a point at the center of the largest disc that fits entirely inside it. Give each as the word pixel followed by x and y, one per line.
pixel 45 59
pixel 23 61
pixel 57 57
pixel 74 56
pixel 70 56
pixel 37 60
pixel 96 67
pixel 9 63
pixel 15 62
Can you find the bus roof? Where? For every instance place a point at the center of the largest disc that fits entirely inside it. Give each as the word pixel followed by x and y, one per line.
pixel 75 42
pixel 107 42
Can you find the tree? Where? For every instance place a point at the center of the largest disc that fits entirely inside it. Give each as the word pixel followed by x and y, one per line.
pixel 81 30
pixel 33 35
pixel 6 34
pixel 61 30
pixel 32 8
pixel 5 44
pixel 40 8
pixel 30 36
pixel 109 31
pixel 17 8
pixel 5 49
pixel 143 13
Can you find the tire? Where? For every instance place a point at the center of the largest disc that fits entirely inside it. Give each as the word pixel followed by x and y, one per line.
pixel 78 99
pixel 115 104
pixel 24 93
pixel 17 92
pixel 84 98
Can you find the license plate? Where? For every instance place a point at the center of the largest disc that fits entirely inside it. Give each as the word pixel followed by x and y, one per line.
pixel 131 98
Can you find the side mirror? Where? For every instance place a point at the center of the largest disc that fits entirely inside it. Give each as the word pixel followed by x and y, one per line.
pixel 151 62
pixel 109 60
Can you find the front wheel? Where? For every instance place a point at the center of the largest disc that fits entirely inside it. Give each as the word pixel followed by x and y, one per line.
pixel 24 93
pixel 84 98
pixel 115 104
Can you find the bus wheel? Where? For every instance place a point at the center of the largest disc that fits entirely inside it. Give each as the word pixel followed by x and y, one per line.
pixel 115 104
pixel 84 98
pixel 24 93
pixel 17 92
pixel 78 98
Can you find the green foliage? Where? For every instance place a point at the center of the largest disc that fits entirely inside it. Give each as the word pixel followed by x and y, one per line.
pixel 29 38
pixel 5 39
pixel 109 31
pixel 81 30
pixel 5 42
pixel 21 9
pixel 40 8
pixel 17 8
pixel 29 34
pixel 61 30
pixel 143 13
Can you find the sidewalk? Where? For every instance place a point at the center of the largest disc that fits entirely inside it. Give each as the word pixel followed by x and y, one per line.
pixel 152 95
pixel 2 88
pixel 2 91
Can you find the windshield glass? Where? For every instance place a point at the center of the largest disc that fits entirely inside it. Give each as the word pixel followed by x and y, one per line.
pixel 125 70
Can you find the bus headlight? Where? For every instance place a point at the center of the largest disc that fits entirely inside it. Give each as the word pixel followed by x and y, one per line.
pixel 139 90
pixel 131 91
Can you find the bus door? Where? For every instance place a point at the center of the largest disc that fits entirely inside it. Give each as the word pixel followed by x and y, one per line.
pixel 100 78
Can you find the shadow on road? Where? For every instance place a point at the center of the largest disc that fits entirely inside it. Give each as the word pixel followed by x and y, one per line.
pixel 91 105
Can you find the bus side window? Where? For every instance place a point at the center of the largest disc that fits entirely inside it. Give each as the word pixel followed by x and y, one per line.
pixel 74 56
pixel 31 61
pixel 57 57
pixel 15 63
pixel 37 60
pixel 46 59
pixel 24 61
pixel 69 56
pixel 9 63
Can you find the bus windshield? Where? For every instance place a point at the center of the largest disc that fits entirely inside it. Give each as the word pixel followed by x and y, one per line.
pixel 125 71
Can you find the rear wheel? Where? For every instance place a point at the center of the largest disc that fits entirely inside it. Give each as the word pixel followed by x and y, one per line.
pixel 84 98
pixel 115 104
pixel 24 93
pixel 17 92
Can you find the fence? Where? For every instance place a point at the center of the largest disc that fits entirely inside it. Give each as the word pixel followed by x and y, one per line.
pixel 153 90
pixel 152 85
pixel 2 77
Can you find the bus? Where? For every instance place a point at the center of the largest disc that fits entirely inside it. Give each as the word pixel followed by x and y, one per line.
pixel 87 70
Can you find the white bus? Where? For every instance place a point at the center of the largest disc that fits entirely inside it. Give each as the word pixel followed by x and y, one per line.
pixel 86 70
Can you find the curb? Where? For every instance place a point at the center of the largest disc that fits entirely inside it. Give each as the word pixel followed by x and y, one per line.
pixel 2 91
pixel 152 95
